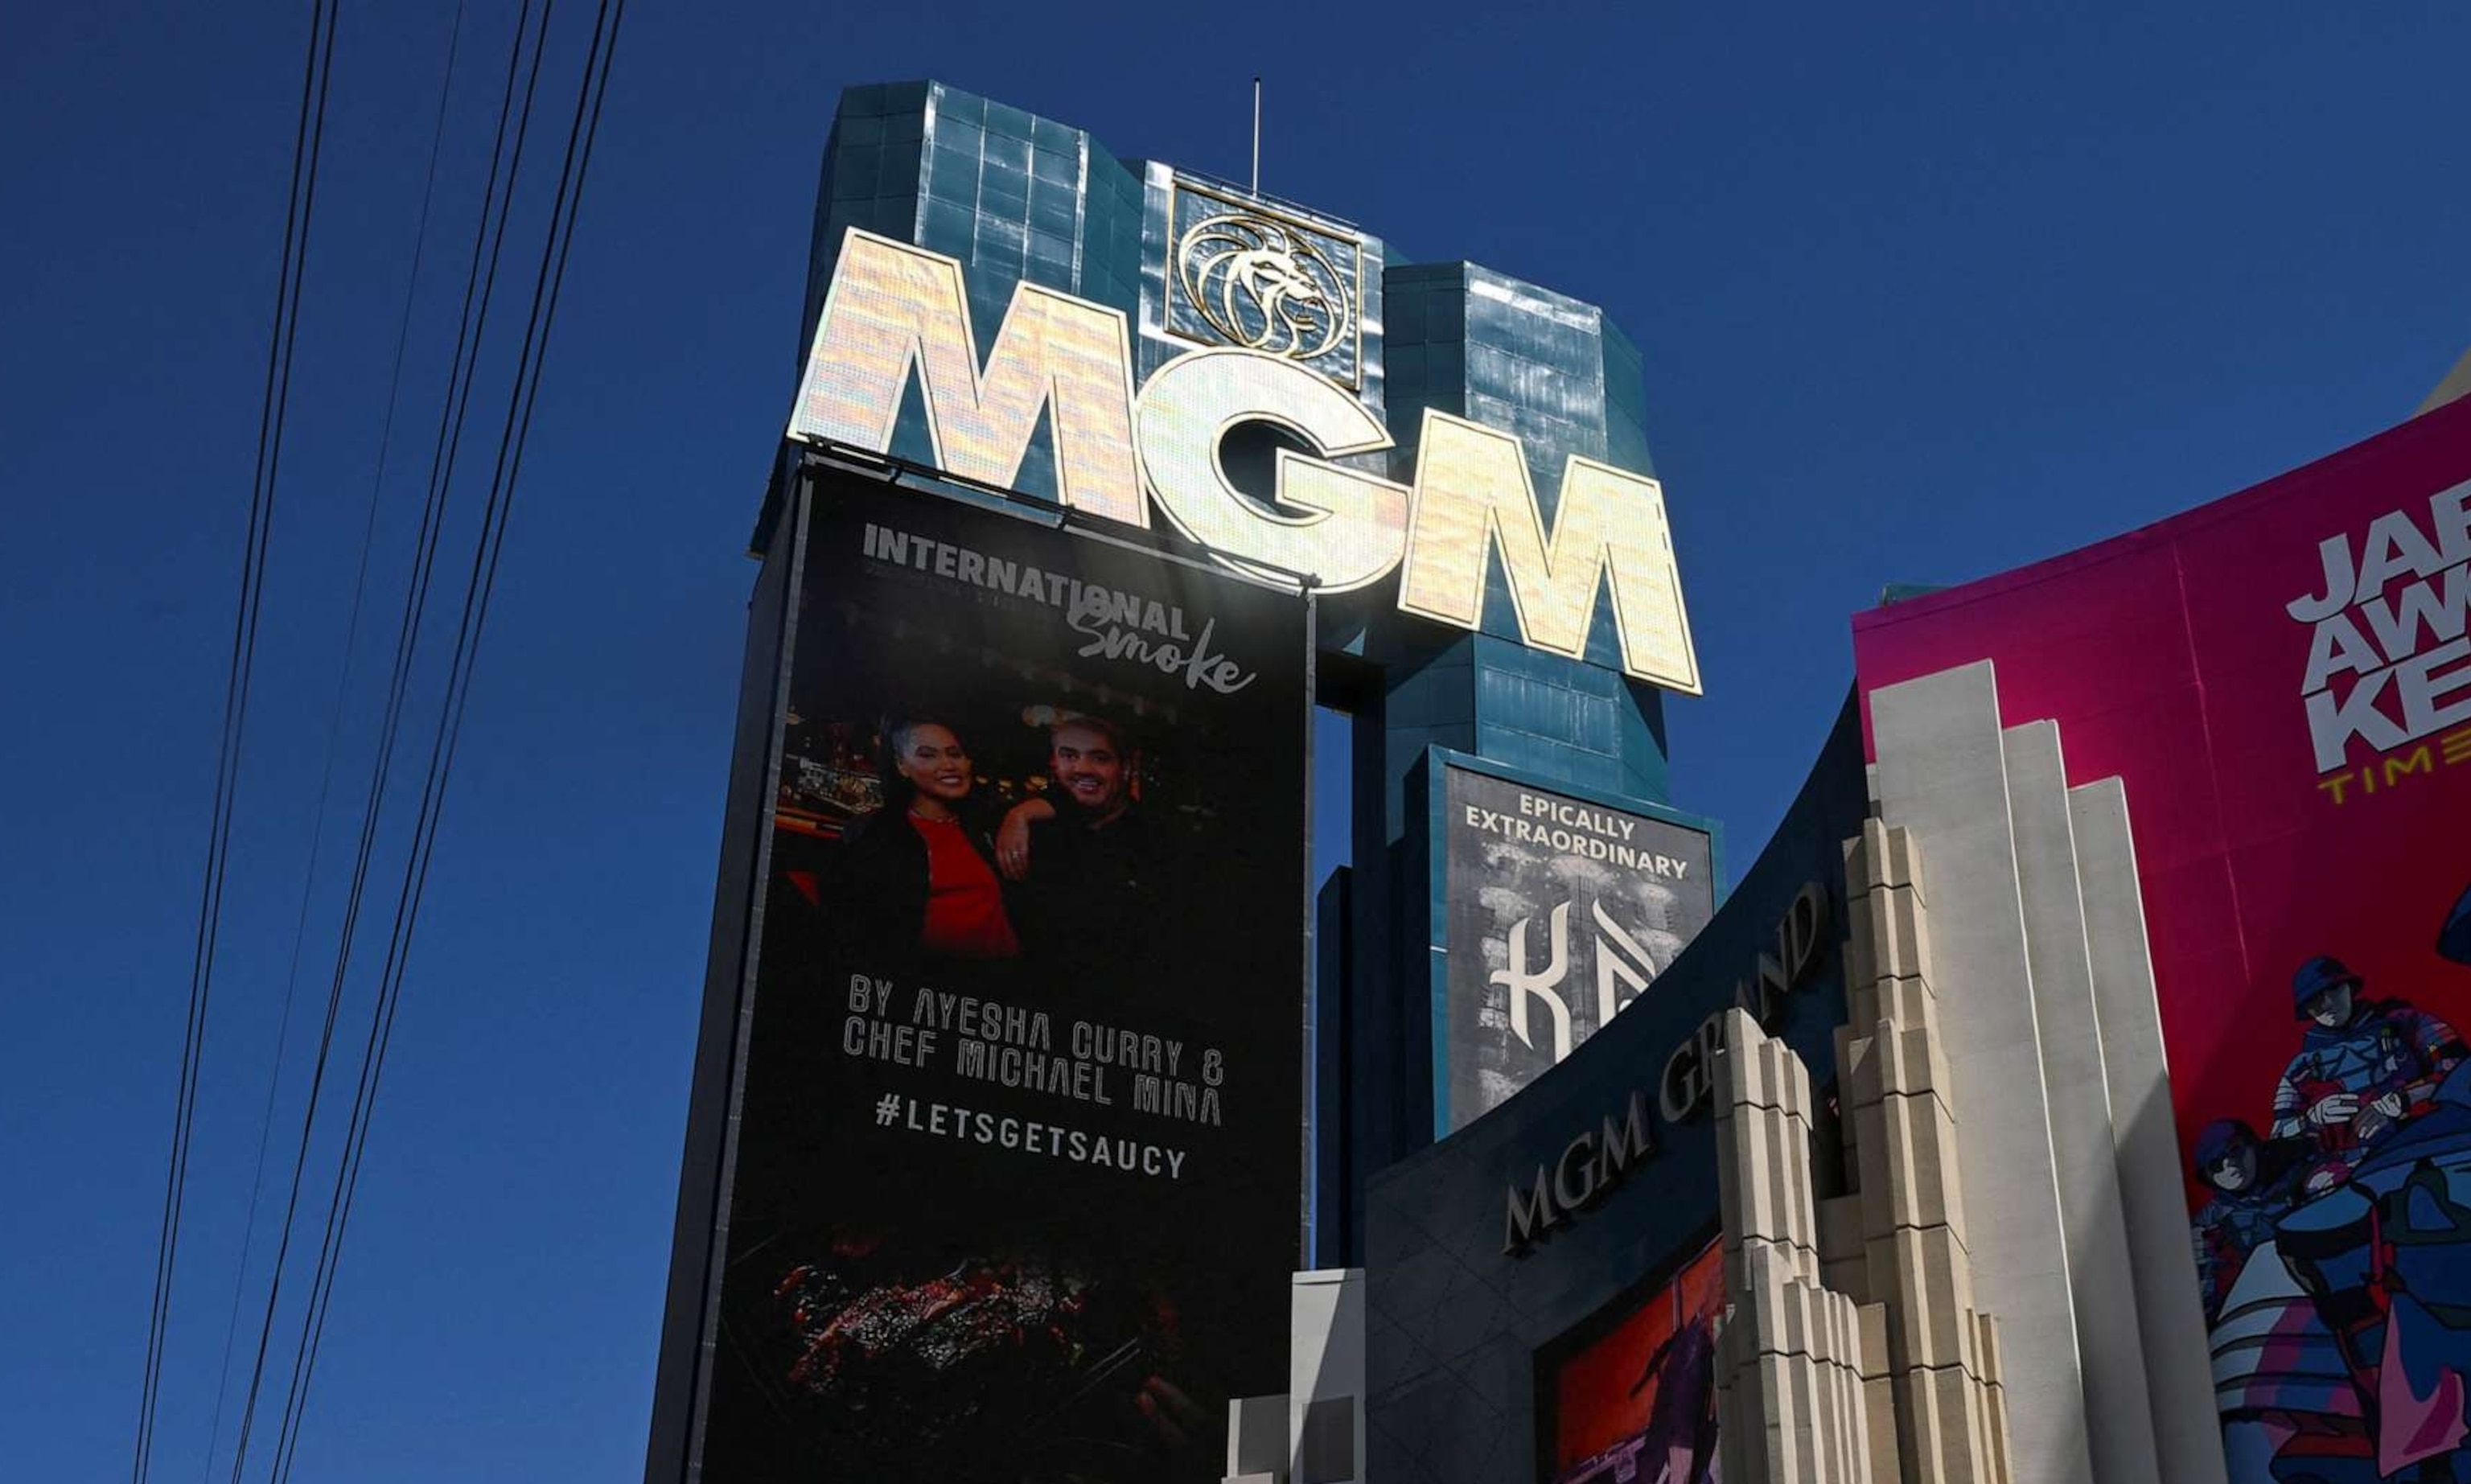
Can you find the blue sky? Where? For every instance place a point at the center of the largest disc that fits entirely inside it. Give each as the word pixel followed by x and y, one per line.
pixel 1922 294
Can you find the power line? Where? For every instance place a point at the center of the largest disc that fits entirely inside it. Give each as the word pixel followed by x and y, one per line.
pixel 334 735
pixel 308 140
pixel 487 554
pixel 479 290
pixel 564 212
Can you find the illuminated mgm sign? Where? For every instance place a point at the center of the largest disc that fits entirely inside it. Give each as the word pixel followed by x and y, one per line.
pixel 894 312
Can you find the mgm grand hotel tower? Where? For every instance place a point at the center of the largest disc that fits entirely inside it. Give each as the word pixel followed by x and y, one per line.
pixel 1063 1115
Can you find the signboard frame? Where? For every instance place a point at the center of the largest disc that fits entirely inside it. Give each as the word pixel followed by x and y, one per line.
pixel 1431 773
pixel 715 1134
pixel 1554 1358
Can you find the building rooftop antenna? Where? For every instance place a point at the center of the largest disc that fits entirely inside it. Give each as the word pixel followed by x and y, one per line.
pixel 1257 133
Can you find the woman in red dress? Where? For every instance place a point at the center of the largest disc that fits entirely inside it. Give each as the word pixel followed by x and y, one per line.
pixel 921 876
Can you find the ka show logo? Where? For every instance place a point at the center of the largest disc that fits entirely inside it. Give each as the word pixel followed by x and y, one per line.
pixel 895 312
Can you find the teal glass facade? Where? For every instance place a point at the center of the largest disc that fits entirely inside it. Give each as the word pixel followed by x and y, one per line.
pixel 1464 339
pixel 1017 199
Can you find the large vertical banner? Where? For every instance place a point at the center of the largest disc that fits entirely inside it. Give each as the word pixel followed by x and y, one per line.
pixel 1558 912
pixel 2283 679
pixel 1015 1185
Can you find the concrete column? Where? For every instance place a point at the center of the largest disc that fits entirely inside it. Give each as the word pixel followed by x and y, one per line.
pixel 2119 1416
pixel 1942 775
pixel 2170 1310
pixel 1326 1373
pixel 1793 1396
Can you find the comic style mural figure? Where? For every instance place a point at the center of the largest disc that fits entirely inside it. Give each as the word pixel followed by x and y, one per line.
pixel 2343 1320
pixel 2274 679
pixel 2455 941
pixel 2255 1183
pixel 2364 1067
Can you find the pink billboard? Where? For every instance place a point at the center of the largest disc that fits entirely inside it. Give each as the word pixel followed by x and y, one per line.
pixel 2283 679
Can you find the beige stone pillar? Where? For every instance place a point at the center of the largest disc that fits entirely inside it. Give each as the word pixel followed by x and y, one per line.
pixel 1853 1351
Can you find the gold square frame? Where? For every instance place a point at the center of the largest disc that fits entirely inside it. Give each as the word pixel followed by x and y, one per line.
pixel 1178 187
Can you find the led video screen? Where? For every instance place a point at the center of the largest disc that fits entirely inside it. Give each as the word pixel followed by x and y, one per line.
pixel 1015 1190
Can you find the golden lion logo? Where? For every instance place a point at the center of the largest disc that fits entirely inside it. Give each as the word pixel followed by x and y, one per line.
pixel 1263 287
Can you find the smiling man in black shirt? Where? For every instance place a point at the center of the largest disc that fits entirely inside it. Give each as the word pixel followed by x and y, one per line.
pixel 1084 859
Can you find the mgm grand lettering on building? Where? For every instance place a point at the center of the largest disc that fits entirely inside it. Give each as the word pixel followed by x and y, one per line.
pixel 1596 1162
pixel 1587 1170
pixel 895 314
pixel 1800 947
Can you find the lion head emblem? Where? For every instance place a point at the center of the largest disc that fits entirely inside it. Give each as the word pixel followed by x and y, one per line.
pixel 1264 287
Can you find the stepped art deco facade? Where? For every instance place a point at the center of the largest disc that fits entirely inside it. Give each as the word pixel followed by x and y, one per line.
pixel 1083 1096
pixel 1854 1340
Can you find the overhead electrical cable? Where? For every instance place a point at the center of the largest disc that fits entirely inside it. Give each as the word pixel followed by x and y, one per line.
pixel 480 285
pixel 334 735
pixel 513 437
pixel 308 141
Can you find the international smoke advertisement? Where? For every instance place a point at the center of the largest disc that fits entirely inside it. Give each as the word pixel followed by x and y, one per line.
pixel 2282 681
pixel 1016 1187
pixel 1561 912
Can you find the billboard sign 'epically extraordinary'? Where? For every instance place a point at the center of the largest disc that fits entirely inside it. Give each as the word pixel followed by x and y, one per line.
pixel 1558 911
